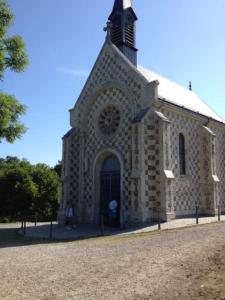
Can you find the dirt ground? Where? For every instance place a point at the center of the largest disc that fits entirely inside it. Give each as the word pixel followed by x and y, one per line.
pixel 178 264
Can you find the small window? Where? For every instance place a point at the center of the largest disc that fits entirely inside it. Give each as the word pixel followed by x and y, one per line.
pixel 182 154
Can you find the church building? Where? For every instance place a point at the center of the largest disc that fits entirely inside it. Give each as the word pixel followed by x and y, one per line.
pixel 140 140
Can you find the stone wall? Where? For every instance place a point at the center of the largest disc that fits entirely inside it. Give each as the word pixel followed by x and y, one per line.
pixel 220 163
pixel 199 186
pixel 71 173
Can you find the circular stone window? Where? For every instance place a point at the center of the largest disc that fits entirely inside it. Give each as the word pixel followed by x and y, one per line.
pixel 109 120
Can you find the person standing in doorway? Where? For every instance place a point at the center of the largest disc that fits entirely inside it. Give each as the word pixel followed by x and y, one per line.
pixel 113 206
pixel 70 216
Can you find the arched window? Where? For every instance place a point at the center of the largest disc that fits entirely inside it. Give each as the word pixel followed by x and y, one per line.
pixel 182 154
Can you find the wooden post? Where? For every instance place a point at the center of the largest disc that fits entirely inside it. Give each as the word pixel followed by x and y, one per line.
pixel 197 219
pixel 219 213
pixel 159 219
pixel 123 220
pixel 51 230
pixel 24 227
pixel 102 225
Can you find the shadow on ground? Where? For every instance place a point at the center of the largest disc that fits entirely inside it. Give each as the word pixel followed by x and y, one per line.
pixel 11 238
pixel 14 237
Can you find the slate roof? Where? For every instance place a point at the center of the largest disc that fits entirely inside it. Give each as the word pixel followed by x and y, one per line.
pixel 181 96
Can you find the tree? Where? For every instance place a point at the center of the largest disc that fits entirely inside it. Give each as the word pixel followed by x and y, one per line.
pixel 58 168
pixel 13 57
pixel 18 193
pixel 28 190
pixel 47 201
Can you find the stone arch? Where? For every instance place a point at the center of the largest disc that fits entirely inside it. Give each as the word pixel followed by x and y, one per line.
pixel 97 166
pixel 99 91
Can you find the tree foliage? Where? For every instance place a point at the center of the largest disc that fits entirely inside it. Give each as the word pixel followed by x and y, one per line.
pixel 47 183
pixel 58 168
pixel 10 111
pixel 27 191
pixel 12 56
pixel 12 50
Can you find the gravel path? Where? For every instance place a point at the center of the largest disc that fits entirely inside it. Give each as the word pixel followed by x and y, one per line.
pixel 181 264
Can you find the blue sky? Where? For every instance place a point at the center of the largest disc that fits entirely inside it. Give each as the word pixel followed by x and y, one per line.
pixel 182 40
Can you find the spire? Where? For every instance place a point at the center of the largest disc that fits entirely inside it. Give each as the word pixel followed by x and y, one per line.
pixel 122 4
pixel 122 28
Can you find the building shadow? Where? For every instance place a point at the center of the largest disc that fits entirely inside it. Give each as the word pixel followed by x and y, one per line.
pixel 14 237
pixel 9 237
pixel 43 233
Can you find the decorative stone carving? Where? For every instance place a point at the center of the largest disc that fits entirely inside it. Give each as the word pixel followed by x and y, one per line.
pixel 109 120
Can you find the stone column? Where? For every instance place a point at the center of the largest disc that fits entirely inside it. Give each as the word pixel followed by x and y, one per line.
pixel 64 183
pixel 209 178
pixel 135 209
pixel 84 168
pixel 166 174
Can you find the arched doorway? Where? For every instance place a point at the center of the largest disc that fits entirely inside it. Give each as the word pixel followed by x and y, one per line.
pixel 110 191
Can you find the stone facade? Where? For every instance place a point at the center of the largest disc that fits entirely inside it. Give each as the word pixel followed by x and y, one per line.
pixel 146 143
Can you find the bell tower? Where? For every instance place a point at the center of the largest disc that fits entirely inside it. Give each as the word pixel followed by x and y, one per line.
pixel 122 29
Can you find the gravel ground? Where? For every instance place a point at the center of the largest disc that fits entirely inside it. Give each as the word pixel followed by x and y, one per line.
pixel 178 264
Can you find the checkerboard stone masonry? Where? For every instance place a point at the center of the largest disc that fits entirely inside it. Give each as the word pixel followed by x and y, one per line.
pixel 220 163
pixel 147 145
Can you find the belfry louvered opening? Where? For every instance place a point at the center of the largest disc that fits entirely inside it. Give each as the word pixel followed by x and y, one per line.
pixel 129 35
pixel 117 32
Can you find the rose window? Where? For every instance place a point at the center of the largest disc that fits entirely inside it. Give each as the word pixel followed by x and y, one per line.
pixel 109 120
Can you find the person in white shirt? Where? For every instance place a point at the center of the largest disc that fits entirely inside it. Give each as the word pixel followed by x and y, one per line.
pixel 70 216
pixel 113 206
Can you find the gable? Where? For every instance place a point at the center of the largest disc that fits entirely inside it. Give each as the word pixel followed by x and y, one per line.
pixel 112 70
